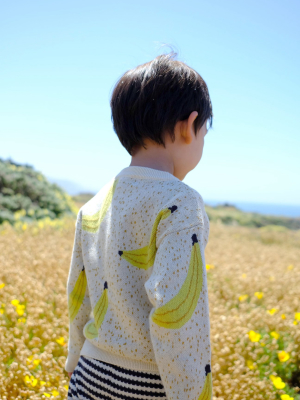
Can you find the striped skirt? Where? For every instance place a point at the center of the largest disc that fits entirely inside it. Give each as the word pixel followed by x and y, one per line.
pixel 97 380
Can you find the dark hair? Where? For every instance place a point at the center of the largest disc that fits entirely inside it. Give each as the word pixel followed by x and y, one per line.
pixel 150 99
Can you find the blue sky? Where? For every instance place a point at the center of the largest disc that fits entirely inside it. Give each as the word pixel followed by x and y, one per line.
pixel 60 61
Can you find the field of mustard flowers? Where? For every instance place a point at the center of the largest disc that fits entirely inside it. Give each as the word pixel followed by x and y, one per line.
pixel 254 300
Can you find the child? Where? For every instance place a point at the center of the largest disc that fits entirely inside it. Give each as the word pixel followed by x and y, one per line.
pixel 137 286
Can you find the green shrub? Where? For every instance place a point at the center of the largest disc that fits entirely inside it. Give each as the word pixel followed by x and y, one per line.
pixel 27 195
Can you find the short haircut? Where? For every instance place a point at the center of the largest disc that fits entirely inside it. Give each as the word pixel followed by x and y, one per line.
pixel 149 100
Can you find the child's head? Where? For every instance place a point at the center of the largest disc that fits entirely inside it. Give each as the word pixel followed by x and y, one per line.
pixel 162 103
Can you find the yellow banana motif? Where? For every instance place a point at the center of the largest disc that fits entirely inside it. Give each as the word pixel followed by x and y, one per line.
pixel 101 307
pixel 176 312
pixel 206 393
pixel 77 295
pixel 91 223
pixel 91 330
pixel 144 257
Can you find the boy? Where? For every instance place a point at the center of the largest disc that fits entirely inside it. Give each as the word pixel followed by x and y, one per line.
pixel 137 286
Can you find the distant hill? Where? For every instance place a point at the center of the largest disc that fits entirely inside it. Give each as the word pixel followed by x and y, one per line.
pixel 72 188
pixel 228 214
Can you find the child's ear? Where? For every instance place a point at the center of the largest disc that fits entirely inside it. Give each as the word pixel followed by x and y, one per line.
pixel 187 131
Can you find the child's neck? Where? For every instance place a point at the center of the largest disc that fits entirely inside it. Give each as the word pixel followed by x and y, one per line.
pixel 156 157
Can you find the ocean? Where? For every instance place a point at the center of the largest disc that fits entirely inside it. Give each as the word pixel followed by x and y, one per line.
pixel 285 210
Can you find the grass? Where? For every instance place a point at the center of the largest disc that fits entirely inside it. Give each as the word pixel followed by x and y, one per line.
pixel 241 263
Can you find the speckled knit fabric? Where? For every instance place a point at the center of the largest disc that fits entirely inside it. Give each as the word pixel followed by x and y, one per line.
pixel 137 286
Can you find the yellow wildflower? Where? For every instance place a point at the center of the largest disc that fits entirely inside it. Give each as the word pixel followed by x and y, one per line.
pixel 55 393
pixel 2 285
pixel 42 383
pixel 24 227
pixel 286 397
pixel 209 266
pixel 250 364
pixel 47 394
pixel 66 387
pixel 272 311
pixel 34 363
pixel 254 336
pixel 61 341
pixel 243 297
pixel 283 356
pixel 259 295
pixel 283 316
pixel 20 213
pixel 277 382
pixel 262 344
pixel 34 381
pixel 22 320
pixel 20 309
pixel 244 276
pixel 40 224
pixel 30 380
pixel 295 322
pixel 275 335
pixel 1 311
pixel 297 316
pixel 29 359
pixel 290 267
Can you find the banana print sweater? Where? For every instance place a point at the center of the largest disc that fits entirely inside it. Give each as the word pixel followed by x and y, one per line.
pixel 137 285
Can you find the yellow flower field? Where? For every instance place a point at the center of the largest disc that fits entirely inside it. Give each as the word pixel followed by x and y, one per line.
pixel 254 301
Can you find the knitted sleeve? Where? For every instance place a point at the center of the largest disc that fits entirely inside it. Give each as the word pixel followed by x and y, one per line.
pixel 79 306
pixel 179 319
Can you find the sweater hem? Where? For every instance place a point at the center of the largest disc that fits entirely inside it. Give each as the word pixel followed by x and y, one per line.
pixel 71 362
pixel 89 350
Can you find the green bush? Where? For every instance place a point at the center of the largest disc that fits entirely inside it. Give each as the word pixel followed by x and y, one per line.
pixel 27 195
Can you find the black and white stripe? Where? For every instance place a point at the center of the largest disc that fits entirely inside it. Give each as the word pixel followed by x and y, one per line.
pixel 97 380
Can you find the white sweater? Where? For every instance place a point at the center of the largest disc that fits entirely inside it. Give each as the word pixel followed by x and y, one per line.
pixel 137 286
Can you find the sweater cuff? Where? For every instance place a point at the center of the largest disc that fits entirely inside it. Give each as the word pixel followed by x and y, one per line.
pixel 71 362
